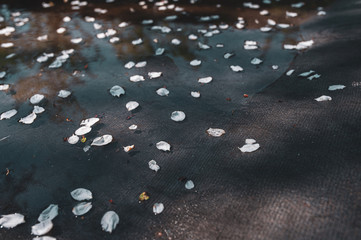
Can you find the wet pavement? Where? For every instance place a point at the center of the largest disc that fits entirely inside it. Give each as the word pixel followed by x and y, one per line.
pixel 303 182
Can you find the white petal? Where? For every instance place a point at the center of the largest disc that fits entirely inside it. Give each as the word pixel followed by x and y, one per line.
pixel 8 114
pixel 82 208
pixel 306 74
pixel 76 40
pixel 162 92
pixel 81 194
pixel 89 122
pixel 136 78
pixel 129 65
pixel 178 116
pixel 164 146
pixel 192 37
pixel 103 140
pixel 176 41
pixel 11 220
pixel 159 51
pixel 189 185
pixel 236 68
pixel 64 93
pixel 289 73
pixel 109 221
pixel 61 30
pixel 133 127
pixel 216 132
pixel 137 41
pixel 195 62
pixel 36 98
pixel 153 165
pixel 28 119
pixel 158 208
pixel 203 46
pixel 249 147
pixel 195 94
pixel 42 228
pixel 336 87
pixel 128 148
pixel 256 61
pixel 323 98
pixel 73 139
pixel 2 74
pixel 66 19
pixel 7 45
pixel 141 64
pixel 116 91
pixel 205 80
pixel 38 110
pixel 154 74
pixel 250 141
pixel 132 105
pixel 228 55
pixel 83 130
pixel 49 213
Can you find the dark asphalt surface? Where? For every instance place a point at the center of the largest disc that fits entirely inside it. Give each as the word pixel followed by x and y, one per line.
pixel 303 183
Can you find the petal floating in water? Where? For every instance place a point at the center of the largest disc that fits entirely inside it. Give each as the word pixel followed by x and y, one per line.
pixel 336 87
pixel 153 165
pixel 116 91
pixel 42 228
pixel 83 130
pixel 256 61
pixel 49 213
pixel 128 148
pixel 36 98
pixel 178 116
pixel 195 62
pixel 196 94
pixel 44 238
pixel 28 119
pixel 81 194
pixel 323 98
pixel 64 93
pixel 8 114
pixel 189 185
pixel 38 110
pixel 236 68
pixel 162 92
pixel 205 80
pixel 154 74
pixel 82 208
pixel 158 208
pixel 250 146
pixel 73 139
pixel 11 220
pixel 109 221
pixel 216 132
pixel 136 78
pixel 164 146
pixel 103 140
pixel 132 105
pixel 89 122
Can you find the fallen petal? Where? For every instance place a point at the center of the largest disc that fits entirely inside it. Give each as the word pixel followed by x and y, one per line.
pixel 189 185
pixel 153 165
pixel 323 98
pixel 28 119
pixel 216 132
pixel 336 87
pixel 154 74
pixel 38 110
pixel 116 91
pixel 64 93
pixel 42 228
pixel 82 208
pixel 205 80
pixel 103 140
pixel 81 194
pixel 132 105
pixel 73 139
pixel 162 92
pixel 164 146
pixel 109 221
pixel 49 213
pixel 83 130
pixel 178 116
pixel 36 98
pixel 8 114
pixel 11 220
pixel 195 94
pixel 136 78
pixel 89 122
pixel 158 208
